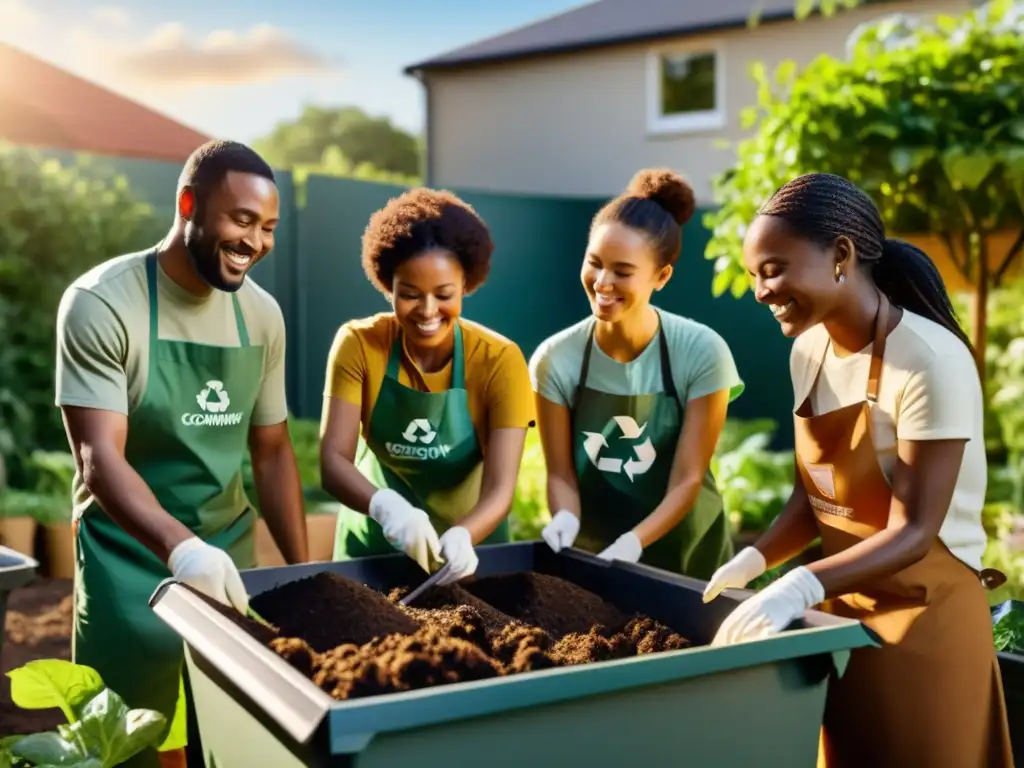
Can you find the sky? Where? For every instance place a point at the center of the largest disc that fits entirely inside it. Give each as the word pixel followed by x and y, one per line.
pixel 234 69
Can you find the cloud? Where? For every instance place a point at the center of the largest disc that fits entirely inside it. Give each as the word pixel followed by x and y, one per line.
pixel 112 15
pixel 17 15
pixel 169 59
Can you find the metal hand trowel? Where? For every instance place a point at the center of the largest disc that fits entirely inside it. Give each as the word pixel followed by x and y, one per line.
pixel 430 582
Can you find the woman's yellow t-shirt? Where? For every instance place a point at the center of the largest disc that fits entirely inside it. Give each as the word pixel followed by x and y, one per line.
pixel 497 377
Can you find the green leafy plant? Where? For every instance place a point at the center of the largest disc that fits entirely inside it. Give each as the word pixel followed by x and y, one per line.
pixel 755 482
pixel 101 731
pixel 925 116
pixel 56 222
pixel 1008 627
pixel 49 476
pixel 529 512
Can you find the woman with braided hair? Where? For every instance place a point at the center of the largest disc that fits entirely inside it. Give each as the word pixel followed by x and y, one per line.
pixel 631 400
pixel 891 474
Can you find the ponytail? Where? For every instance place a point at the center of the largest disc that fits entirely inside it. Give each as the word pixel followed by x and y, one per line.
pixel 910 279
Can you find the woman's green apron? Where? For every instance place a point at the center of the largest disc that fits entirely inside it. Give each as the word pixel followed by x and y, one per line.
pixel 624 446
pixel 424 446
pixel 186 439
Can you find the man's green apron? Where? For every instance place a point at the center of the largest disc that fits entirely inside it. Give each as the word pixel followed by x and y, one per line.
pixel 186 439
pixel 424 446
pixel 624 446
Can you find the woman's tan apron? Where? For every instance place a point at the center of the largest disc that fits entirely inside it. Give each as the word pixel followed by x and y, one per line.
pixel 931 697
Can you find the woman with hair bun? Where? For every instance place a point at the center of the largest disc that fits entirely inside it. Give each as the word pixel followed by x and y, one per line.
pixel 425 413
pixel 632 399
pixel 890 475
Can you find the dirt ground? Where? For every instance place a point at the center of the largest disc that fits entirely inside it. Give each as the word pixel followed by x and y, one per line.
pixel 38 626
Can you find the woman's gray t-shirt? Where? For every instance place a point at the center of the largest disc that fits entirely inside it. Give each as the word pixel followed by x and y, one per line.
pixel 701 362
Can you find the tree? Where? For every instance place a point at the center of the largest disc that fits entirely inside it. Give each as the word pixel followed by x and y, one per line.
pixel 55 223
pixel 927 117
pixel 361 139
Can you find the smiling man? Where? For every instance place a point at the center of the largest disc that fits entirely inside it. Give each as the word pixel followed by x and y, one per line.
pixel 170 366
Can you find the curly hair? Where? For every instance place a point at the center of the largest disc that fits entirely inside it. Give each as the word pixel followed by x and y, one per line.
pixel 657 203
pixel 423 219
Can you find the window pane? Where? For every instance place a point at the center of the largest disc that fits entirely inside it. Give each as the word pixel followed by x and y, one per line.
pixel 687 83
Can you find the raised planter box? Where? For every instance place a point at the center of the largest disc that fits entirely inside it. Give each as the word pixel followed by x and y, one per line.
pixel 753 704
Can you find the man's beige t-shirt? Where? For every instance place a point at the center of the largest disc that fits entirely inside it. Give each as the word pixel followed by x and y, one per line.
pixel 929 390
pixel 103 340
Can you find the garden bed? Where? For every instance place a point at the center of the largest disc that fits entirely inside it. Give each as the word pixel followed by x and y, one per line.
pixel 38 625
pixel 353 641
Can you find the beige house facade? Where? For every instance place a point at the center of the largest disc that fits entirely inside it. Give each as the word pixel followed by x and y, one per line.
pixel 573 105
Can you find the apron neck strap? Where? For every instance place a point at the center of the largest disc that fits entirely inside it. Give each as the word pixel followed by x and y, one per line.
pixel 878 348
pixel 667 380
pixel 458 362
pixel 154 312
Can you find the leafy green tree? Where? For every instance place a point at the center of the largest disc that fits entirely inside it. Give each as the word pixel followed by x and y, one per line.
pixel 362 140
pixel 927 117
pixel 55 223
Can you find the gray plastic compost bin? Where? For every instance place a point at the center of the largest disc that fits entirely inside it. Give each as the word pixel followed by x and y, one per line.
pixel 754 704
pixel 16 570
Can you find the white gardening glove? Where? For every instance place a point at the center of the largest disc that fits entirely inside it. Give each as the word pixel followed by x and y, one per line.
pixel 209 570
pixel 457 550
pixel 772 609
pixel 626 548
pixel 405 527
pixel 736 574
pixel 562 530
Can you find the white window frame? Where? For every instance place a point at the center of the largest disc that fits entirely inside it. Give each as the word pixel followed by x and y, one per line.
pixel 709 120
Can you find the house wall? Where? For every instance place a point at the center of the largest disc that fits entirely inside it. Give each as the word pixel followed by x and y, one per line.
pixel 576 124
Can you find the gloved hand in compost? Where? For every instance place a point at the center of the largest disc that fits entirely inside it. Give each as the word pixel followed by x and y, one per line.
pixel 772 609
pixel 209 570
pixel 626 548
pixel 405 527
pixel 737 573
pixel 562 530
pixel 457 550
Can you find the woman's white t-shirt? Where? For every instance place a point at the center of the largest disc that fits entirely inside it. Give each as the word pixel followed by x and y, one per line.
pixel 929 390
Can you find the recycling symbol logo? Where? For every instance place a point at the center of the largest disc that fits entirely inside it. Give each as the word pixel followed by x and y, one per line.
pixel 214 398
pixel 638 464
pixel 419 430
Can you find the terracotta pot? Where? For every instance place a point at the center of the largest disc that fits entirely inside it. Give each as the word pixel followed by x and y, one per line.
pixel 19 533
pixel 319 531
pixel 59 540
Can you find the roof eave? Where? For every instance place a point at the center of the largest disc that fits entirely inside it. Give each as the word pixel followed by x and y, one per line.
pixel 441 64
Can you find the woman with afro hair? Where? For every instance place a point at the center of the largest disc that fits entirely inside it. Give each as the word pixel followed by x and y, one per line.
pixel 632 399
pixel 425 413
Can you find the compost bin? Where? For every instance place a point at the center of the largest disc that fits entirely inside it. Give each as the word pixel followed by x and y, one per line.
pixel 753 704
pixel 16 570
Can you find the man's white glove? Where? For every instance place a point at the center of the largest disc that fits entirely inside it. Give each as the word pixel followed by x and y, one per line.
pixel 561 532
pixel 737 573
pixel 405 527
pixel 772 609
pixel 209 570
pixel 626 548
pixel 457 550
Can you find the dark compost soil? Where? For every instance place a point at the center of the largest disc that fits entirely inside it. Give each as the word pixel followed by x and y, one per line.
pixel 38 626
pixel 353 641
